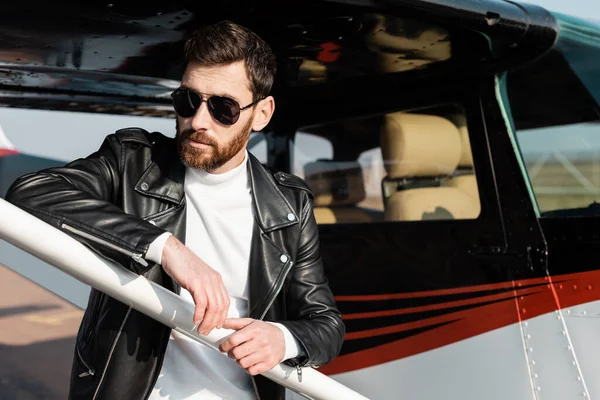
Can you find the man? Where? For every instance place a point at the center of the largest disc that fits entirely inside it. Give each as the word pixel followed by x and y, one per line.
pixel 249 235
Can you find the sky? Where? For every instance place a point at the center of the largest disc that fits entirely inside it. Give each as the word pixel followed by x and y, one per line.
pixel 581 8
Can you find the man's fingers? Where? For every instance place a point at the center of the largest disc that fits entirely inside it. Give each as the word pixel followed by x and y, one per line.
pixel 259 368
pixel 224 304
pixel 200 308
pixel 243 350
pixel 210 316
pixel 237 323
pixel 234 340
pixel 208 323
pixel 249 360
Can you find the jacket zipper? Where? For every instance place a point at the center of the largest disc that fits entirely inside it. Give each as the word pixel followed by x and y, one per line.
pixel 112 349
pixel 277 289
pixel 137 257
pixel 90 371
pixel 269 304
pixel 95 313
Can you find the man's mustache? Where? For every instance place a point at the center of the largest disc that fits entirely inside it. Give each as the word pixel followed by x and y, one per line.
pixel 197 137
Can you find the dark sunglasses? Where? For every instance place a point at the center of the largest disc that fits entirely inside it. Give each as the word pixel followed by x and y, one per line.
pixel 186 103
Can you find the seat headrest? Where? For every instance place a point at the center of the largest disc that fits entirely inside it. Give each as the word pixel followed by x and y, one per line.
pixel 466 159
pixel 335 183
pixel 419 145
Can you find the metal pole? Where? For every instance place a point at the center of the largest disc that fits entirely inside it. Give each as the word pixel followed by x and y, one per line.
pixel 59 249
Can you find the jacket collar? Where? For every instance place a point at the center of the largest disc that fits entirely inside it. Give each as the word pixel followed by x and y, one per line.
pixel 164 179
pixel 273 211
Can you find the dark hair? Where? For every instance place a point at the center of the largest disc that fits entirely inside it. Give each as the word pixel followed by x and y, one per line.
pixel 225 43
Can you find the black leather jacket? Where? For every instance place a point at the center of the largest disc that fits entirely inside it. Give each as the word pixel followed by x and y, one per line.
pixel 121 198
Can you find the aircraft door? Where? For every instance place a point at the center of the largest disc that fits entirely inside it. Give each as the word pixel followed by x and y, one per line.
pixel 416 251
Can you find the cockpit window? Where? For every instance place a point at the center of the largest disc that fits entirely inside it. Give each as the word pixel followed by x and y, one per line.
pixel 403 166
pixel 557 119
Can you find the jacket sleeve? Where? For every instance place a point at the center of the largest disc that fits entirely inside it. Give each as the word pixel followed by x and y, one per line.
pixel 313 317
pixel 80 199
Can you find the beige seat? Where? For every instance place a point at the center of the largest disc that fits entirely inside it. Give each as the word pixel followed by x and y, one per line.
pixel 464 177
pixel 421 153
pixel 338 187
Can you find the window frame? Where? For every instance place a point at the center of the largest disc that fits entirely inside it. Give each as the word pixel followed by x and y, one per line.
pixel 487 230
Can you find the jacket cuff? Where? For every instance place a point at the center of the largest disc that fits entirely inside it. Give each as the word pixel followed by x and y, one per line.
pixel 155 249
pixel 291 345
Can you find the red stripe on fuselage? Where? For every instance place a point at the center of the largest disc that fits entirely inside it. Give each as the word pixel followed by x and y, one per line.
pixel 439 306
pixel 439 292
pixel 524 303
pixel 8 152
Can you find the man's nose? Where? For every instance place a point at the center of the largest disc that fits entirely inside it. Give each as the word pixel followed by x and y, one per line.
pixel 202 120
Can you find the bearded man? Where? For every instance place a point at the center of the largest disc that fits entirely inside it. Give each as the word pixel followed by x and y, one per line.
pixel 200 216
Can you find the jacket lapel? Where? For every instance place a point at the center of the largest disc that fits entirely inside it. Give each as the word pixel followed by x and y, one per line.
pixel 273 211
pixel 165 185
pixel 269 260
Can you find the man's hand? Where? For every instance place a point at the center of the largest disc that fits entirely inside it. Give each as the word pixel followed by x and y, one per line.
pixel 203 282
pixel 257 346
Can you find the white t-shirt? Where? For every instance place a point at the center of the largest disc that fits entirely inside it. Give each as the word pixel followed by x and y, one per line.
pixel 219 225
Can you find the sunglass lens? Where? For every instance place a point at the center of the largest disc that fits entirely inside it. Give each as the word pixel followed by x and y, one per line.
pixel 224 109
pixel 186 102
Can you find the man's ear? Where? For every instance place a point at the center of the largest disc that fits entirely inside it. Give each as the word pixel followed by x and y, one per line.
pixel 263 113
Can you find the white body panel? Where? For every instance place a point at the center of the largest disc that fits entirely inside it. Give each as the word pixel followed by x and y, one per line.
pixel 553 362
pixel 560 361
pixel 491 366
pixel 583 325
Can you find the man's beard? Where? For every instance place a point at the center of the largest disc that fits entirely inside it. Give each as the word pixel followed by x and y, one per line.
pixel 215 156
